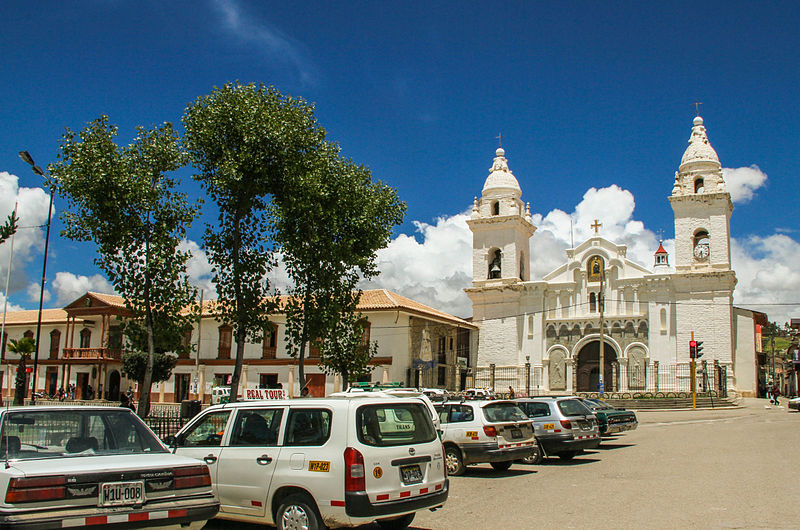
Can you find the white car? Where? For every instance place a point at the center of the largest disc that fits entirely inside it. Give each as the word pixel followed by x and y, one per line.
pixel 494 431
pixel 81 466
pixel 794 404
pixel 320 462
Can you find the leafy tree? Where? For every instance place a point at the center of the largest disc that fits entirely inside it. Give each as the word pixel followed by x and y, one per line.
pixel 247 142
pixel 345 350
pixel 9 228
pixel 330 222
pixel 123 199
pixel 23 347
pixel 134 366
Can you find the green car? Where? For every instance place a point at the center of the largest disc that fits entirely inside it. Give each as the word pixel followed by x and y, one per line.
pixel 610 419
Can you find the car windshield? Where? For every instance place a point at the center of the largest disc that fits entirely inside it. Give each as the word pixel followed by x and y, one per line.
pixel 572 407
pixel 48 433
pixel 500 411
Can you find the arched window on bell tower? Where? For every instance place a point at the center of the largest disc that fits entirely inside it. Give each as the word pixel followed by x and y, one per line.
pixel 496 208
pixel 592 303
pixel 522 266
pixel 495 265
pixel 699 185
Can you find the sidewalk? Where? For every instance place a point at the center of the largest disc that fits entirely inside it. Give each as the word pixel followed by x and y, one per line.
pixel 747 407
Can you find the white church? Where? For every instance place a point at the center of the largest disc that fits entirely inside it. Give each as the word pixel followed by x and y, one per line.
pixel 545 334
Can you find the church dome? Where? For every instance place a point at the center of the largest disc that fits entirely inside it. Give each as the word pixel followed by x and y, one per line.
pixel 699 152
pixel 500 180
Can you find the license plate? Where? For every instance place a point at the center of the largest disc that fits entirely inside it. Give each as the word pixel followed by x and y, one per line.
pixel 411 474
pixel 548 426
pixel 516 433
pixel 121 493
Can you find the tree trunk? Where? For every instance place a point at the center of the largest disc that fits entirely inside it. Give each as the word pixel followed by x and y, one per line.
pixel 345 378
pixel 144 392
pixel 301 372
pixel 241 335
pixel 20 383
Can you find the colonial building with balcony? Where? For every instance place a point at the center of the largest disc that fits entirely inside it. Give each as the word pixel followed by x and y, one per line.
pixel 417 345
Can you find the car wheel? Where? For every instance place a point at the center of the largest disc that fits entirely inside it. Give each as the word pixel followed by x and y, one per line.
pixel 501 466
pixel 567 456
pixel 399 523
pixel 453 461
pixel 536 458
pixel 298 512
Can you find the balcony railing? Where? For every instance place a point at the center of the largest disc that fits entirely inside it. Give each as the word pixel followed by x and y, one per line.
pixel 95 354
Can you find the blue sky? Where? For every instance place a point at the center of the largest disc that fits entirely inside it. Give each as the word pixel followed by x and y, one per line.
pixel 586 95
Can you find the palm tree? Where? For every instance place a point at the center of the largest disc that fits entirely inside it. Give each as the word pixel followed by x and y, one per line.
pixel 24 347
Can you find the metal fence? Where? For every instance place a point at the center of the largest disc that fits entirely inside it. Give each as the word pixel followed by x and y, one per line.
pixel 652 378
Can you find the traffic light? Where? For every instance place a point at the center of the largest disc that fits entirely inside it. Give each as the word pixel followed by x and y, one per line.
pixel 692 349
pixel 698 349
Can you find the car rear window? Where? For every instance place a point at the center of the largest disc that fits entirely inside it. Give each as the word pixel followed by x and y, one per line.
pixel 572 407
pixel 391 424
pixel 60 433
pixel 496 412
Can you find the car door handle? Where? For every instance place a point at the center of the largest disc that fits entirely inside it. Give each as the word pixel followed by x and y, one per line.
pixel 264 460
pixel 210 459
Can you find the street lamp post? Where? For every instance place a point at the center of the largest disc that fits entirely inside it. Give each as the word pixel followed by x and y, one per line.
pixel 26 157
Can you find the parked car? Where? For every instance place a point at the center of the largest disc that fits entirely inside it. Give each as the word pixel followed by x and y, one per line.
pixel 82 466
pixel 794 404
pixel 611 419
pixel 320 462
pixel 563 426
pixel 493 431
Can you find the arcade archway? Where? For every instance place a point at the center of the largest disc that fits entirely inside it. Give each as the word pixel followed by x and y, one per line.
pixel 588 367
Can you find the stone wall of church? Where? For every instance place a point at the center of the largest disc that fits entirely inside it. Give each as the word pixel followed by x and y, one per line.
pixel 623 331
pixel 694 216
pixel 703 306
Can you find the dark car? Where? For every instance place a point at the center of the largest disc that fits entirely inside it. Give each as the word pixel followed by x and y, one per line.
pixel 611 419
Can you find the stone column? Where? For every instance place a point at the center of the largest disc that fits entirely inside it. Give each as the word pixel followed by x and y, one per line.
pixel 201 384
pixel 571 375
pixel 384 376
pixel 337 383
pixel 614 377
pixel 623 375
pixel 655 375
pixel 290 390
pixel 546 374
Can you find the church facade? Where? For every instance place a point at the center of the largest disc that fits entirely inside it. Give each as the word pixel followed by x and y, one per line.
pixel 550 335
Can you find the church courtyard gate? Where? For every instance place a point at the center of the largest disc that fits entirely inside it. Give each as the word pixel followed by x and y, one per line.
pixel 587 372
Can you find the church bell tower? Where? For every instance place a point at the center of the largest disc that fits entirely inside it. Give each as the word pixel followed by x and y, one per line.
pixel 702 208
pixel 501 229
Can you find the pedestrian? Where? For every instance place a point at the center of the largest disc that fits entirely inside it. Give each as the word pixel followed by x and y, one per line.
pixel 511 392
pixel 775 394
pixel 125 402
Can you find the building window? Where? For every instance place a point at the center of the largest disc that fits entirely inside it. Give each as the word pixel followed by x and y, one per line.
pixel 663 320
pixel 530 326
pixel 496 208
pixel 268 381
pixel 86 338
pixel 441 352
pixel 592 303
pixel 28 334
pixel 55 339
pixel 225 339
pixel 442 374
pixel 314 348
pixel 269 346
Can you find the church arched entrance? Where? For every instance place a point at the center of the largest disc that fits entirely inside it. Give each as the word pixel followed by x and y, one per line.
pixel 588 367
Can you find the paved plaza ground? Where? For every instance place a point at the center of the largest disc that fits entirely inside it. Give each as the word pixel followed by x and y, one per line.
pixel 732 468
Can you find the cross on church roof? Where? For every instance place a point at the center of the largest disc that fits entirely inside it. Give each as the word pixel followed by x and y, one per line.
pixel 596 225
pixel 499 139
pixel 697 106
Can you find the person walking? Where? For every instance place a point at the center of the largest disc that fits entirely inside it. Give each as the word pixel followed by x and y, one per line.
pixel 511 393
pixel 775 395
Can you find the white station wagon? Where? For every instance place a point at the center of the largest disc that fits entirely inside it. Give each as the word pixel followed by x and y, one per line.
pixel 316 463
pixel 76 466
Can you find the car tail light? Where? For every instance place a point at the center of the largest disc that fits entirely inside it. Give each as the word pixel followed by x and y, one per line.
pixel 489 431
pixel 191 477
pixel 566 424
pixel 36 489
pixel 354 470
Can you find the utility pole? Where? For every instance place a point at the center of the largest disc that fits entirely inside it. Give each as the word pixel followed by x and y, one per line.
pixel 601 301
pixel 693 364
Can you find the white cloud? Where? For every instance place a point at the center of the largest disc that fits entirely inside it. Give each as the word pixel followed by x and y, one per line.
pixel 198 268
pixel 265 38
pixel 11 306
pixel 769 280
pixel 69 287
pixel 433 272
pixel 33 290
pixel 741 182
pixel 28 242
